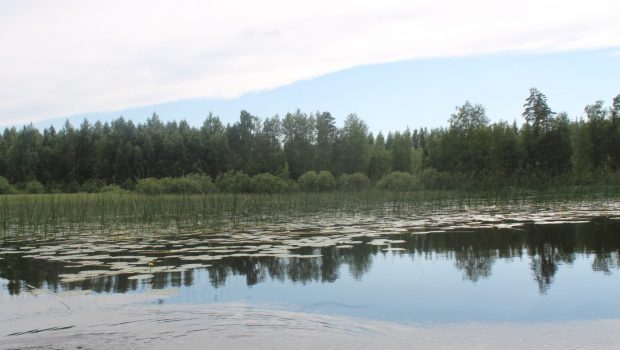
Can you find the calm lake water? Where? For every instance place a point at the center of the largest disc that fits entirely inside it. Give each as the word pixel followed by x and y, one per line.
pixel 442 268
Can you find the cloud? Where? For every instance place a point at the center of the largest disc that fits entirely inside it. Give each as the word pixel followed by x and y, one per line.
pixel 66 57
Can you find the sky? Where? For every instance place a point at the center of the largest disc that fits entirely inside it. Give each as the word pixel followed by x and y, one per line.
pixel 393 63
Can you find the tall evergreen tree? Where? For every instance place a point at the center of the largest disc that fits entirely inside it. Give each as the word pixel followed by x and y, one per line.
pixel 537 113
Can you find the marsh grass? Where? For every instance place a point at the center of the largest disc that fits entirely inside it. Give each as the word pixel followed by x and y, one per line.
pixel 110 213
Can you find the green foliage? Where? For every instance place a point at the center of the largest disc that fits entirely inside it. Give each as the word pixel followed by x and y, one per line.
pixel 468 117
pixel 355 148
pixel 326 181
pixel 417 161
pixel 237 182
pixel 149 186
pixel 326 138
pixel 54 187
pixel 34 187
pixel 537 113
pixel 438 180
pixel 71 187
pixel 191 184
pixel 92 186
pixel 5 186
pixel 267 183
pixel 582 153
pixel 128 185
pixel 353 182
pixel 380 161
pixel 283 172
pixel 401 149
pixel 111 189
pixel 156 156
pixel 204 183
pixel 309 181
pixel 312 181
pixel 399 181
pixel 180 185
pixel 298 131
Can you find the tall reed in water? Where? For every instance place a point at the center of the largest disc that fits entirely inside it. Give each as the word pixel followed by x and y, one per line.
pixel 113 213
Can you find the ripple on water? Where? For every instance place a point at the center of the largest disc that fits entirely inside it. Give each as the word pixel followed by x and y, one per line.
pixel 91 322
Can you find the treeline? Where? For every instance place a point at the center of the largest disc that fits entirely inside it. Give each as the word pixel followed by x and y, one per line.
pixel 290 152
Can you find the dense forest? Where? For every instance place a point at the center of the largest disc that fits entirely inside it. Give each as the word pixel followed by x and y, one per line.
pixel 310 152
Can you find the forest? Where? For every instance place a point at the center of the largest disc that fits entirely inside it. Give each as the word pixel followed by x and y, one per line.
pixel 308 152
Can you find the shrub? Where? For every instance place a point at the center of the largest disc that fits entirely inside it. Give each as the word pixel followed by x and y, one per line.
pixel 203 182
pixel 353 182
pixel 309 181
pixel 149 185
pixel 128 185
pixel 71 187
pixel 92 185
pixel 237 182
pixel 53 187
pixel 190 184
pixel 327 181
pixel 34 187
pixel 267 183
pixel 111 189
pixel 182 185
pixel 433 179
pixel 283 172
pixel 398 181
pixel 312 181
pixel 292 186
pixel 5 186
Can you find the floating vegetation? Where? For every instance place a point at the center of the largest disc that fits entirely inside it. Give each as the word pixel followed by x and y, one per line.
pixel 37 291
pixel 140 277
pixel 393 249
pixel 144 249
pixel 172 216
pixel 166 292
pixel 191 266
pixel 73 293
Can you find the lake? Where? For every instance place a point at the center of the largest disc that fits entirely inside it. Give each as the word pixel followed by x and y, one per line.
pixel 454 277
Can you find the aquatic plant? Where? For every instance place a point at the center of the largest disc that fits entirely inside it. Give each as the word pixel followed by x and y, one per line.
pixel 121 211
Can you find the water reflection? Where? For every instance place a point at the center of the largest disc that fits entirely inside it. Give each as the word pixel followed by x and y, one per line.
pixel 472 251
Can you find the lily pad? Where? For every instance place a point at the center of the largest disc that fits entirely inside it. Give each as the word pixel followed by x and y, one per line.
pixel 140 277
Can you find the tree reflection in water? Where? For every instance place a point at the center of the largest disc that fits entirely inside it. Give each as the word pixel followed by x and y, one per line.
pixel 473 252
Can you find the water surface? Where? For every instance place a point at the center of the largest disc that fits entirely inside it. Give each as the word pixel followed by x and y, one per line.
pixel 542 265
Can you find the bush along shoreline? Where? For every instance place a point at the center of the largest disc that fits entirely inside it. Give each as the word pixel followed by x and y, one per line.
pixel 309 182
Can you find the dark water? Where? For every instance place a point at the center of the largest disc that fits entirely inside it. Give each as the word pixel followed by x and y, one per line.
pixel 514 272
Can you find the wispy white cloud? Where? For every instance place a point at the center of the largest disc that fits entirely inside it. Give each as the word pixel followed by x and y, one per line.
pixel 65 57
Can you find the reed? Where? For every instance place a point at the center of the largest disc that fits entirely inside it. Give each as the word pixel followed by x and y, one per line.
pixel 111 213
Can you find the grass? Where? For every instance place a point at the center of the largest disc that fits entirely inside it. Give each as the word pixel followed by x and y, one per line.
pixel 106 213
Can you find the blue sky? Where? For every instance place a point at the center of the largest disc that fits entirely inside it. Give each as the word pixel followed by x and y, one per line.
pixel 395 63
pixel 416 93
